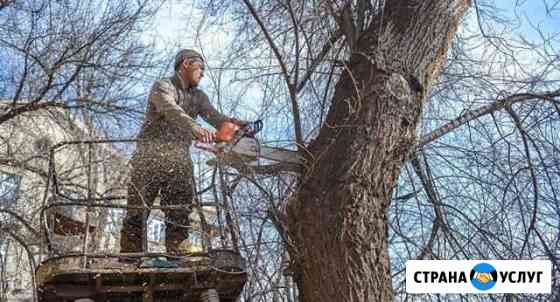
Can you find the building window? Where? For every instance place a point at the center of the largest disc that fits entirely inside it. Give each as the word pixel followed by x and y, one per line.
pixel 9 188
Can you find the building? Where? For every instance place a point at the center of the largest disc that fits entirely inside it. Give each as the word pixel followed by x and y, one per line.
pixel 25 142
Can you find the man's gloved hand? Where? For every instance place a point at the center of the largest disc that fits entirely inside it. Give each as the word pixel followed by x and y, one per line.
pixel 204 135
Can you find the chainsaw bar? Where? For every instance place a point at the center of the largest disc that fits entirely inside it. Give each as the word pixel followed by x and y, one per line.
pixel 243 148
pixel 250 147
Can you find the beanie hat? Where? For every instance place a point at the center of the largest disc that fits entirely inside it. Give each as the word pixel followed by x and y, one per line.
pixel 189 54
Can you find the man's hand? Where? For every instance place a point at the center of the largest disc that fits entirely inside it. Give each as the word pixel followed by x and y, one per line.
pixel 204 135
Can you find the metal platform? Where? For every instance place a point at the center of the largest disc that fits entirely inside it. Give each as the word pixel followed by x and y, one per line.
pixel 74 270
pixel 142 279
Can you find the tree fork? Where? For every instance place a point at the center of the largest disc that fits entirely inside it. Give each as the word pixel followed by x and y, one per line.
pixel 338 217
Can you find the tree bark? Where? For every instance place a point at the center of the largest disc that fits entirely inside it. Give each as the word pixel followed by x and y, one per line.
pixel 338 218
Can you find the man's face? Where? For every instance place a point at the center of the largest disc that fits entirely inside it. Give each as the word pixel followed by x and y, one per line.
pixel 194 72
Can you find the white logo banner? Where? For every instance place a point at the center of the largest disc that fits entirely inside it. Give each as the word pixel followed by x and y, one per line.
pixel 478 276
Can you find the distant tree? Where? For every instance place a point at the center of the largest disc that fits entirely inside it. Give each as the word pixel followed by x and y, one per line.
pixel 82 56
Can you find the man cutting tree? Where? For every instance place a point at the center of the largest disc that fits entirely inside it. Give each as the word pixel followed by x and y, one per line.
pixel 162 162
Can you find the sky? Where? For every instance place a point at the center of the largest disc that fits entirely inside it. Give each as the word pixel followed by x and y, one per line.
pixel 534 14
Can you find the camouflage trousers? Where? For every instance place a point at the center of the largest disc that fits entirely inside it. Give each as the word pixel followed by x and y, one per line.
pixel 167 170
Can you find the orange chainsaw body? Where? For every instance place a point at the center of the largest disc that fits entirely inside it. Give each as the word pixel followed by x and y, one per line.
pixel 227 132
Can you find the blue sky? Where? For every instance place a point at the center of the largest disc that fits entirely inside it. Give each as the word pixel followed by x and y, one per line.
pixel 533 14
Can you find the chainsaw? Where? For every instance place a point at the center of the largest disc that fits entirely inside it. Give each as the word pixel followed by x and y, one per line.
pixel 230 135
pixel 239 144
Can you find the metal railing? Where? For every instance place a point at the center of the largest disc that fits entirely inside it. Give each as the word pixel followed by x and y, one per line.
pixel 56 197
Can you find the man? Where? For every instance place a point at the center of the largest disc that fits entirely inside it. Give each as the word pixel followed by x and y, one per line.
pixel 162 162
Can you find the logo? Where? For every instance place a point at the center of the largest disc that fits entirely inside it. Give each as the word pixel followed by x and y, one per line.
pixel 483 276
pixel 478 277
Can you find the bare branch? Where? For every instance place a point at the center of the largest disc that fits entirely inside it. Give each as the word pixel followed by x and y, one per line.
pixel 525 138
pixel 319 59
pixel 291 86
pixel 25 223
pixel 493 107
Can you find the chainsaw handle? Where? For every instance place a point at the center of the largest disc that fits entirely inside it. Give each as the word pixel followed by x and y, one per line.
pixel 253 128
pixel 257 126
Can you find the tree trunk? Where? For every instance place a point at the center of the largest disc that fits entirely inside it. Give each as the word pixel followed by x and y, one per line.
pixel 338 218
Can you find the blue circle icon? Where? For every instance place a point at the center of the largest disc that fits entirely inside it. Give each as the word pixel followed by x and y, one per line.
pixel 483 276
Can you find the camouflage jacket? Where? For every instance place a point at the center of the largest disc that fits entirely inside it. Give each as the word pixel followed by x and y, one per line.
pixel 171 111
